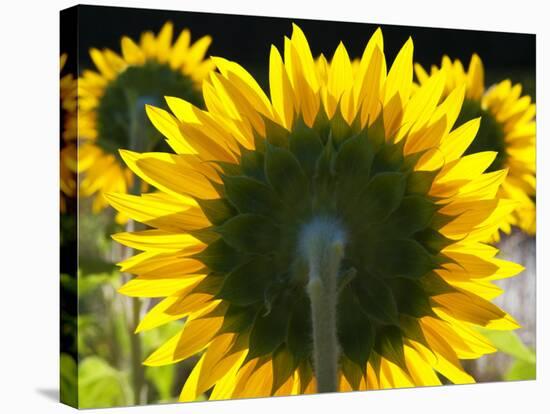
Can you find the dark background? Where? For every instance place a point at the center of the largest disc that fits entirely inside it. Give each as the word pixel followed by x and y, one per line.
pixel 247 39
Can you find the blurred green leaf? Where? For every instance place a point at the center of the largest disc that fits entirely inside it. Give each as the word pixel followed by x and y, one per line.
pixel 162 378
pixel 100 385
pixel 524 365
pixel 68 380
pixel 510 343
pixel 69 283
pixel 521 370
pixel 154 338
pixel 88 283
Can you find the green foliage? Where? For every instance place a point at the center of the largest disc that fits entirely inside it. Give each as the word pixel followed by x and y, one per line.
pixel 87 284
pixel 101 385
pixel 68 392
pixel 161 378
pixel 524 364
pixel 521 370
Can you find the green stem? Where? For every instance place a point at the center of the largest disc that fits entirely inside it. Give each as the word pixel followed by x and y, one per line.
pixel 322 246
pixel 137 141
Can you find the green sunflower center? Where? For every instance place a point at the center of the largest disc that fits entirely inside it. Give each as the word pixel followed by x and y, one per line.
pixel 121 118
pixel 341 174
pixel 490 136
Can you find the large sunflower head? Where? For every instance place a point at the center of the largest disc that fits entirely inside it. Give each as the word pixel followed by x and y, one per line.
pixel 255 187
pixel 67 154
pixel 112 98
pixel 507 127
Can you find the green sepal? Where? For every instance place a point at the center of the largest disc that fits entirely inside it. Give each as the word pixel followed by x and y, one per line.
pixel 388 159
pixel 210 285
pixel 299 334
pixel 240 344
pixel 219 257
pixel 411 297
pixel 355 331
pixel 376 299
pixel 389 344
pixel 237 319
pixel 206 235
pixel 229 168
pixel 339 128
pixel 216 211
pixel 439 220
pixel 352 166
pixel 275 134
pixel 249 195
pixel 248 283
pixel 324 179
pixel 269 331
pixel 252 164
pixel 284 365
pixel 321 124
pixel 376 133
pixel 411 160
pixel 433 285
pixel 400 258
pixel 306 374
pixel 413 331
pixel 432 240
pixel 250 233
pixel 306 146
pixel 352 372
pixel 420 182
pixel 381 197
pixel 285 175
pixel 413 214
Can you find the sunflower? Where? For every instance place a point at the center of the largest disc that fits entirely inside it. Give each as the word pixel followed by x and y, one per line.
pixel 507 126
pixel 67 155
pixel 111 102
pixel 328 237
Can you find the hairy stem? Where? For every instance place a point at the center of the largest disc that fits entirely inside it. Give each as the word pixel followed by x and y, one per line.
pixel 322 245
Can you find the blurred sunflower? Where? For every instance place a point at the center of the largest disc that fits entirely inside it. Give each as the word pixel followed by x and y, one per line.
pixel 111 103
pixel 67 155
pixel 342 187
pixel 507 126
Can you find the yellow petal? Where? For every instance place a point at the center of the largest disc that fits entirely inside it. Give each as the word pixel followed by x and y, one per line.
pixel 179 50
pixel 280 89
pixel 157 288
pixel 454 145
pixel 370 94
pixel 246 83
pixel 194 337
pixel 340 77
pixel 170 128
pixel 175 174
pixel 157 240
pixel 174 308
pixel 160 211
pixel 164 42
pixel 131 52
pixel 422 104
pixel 400 76
pixel 476 81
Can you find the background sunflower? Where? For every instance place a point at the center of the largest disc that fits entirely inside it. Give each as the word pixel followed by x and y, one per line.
pixel 112 98
pixel 67 161
pixel 507 126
